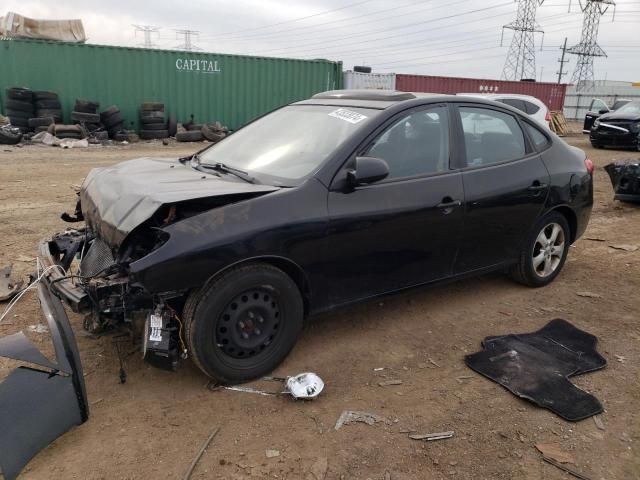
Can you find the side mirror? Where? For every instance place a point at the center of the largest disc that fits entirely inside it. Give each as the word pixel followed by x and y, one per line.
pixel 602 111
pixel 367 170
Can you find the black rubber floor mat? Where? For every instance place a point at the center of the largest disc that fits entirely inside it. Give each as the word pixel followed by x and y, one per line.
pixel 536 366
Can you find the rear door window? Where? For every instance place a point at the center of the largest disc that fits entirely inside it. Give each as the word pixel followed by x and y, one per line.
pixel 530 108
pixel 515 103
pixel 491 136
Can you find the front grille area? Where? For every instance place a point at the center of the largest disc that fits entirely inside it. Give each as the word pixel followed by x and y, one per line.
pixel 97 258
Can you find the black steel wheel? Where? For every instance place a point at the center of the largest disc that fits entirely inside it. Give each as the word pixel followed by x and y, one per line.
pixel 244 322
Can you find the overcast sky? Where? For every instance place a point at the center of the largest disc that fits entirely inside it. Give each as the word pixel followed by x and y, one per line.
pixel 436 37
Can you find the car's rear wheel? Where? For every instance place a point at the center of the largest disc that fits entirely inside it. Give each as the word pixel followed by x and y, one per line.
pixel 243 323
pixel 544 252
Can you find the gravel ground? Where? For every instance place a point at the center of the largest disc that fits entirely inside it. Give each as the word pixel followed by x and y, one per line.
pixel 152 426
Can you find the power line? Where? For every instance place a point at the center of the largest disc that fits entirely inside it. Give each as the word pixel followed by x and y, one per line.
pixel 147 30
pixel 341 38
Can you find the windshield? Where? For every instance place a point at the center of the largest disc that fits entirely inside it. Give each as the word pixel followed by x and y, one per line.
pixel 632 108
pixel 290 143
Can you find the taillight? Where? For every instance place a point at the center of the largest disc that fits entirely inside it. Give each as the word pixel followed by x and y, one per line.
pixel 547 116
pixel 589 164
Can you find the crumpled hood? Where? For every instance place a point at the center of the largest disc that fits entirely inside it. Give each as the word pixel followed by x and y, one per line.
pixel 117 199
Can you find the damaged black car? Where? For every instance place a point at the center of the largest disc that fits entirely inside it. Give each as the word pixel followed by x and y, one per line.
pixel 347 196
pixel 620 128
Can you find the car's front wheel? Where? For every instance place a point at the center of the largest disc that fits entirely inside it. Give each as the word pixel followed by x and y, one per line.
pixel 243 323
pixel 544 253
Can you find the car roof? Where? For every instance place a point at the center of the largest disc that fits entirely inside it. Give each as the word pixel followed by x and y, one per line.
pixel 378 99
pixel 501 95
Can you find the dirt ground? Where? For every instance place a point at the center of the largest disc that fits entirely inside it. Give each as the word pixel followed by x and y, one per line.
pixel 152 426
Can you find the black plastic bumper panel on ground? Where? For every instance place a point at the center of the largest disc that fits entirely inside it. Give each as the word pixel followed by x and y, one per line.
pixel 535 366
pixel 37 406
pixel 625 178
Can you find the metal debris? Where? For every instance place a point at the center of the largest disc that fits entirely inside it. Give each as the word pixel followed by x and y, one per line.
pixel 386 383
pixel 305 386
pixel 348 417
pixel 195 461
pixel 429 437
pixel 569 470
pixel 433 362
pixel 588 294
pixel 626 248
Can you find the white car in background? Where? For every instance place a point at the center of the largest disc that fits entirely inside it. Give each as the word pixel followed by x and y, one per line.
pixel 525 103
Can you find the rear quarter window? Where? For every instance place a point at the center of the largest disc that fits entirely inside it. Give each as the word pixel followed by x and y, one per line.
pixel 538 138
pixel 530 108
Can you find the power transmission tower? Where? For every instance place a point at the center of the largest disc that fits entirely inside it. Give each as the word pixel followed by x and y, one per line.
pixel 187 45
pixel 147 30
pixel 562 61
pixel 588 47
pixel 521 59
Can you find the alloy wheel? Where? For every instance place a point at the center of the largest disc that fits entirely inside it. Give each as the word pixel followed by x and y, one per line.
pixel 548 250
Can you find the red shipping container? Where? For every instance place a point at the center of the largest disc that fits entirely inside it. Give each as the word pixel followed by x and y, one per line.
pixel 551 94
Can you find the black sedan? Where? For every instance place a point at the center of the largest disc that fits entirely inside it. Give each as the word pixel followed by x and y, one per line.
pixel 337 199
pixel 620 128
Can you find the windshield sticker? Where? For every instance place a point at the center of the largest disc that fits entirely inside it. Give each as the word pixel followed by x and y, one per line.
pixel 348 115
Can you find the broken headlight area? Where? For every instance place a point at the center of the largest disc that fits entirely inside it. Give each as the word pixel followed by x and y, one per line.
pixel 625 178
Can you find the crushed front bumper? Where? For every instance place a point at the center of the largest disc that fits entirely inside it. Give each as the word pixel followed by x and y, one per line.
pixel 37 405
pixel 625 178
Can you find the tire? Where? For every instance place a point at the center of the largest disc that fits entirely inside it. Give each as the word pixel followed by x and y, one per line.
pixel 56 114
pixel 85 117
pixel 195 126
pixel 596 145
pixel 214 328
pixel 76 136
pixel 112 110
pixel 9 138
pixel 212 135
pixel 189 136
pixel 48 105
pixel 156 126
pixel 151 117
pixel 153 134
pixel 42 129
pixel 525 271
pixel 152 106
pixel 101 135
pixel 19 113
pixel 86 106
pixel 18 121
pixel 40 121
pixel 67 129
pixel 19 93
pixel 121 137
pixel 113 120
pixel 172 126
pixel 18 105
pixel 115 129
pixel 44 95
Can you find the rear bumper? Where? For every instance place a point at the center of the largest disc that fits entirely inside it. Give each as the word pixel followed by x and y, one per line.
pixel 37 405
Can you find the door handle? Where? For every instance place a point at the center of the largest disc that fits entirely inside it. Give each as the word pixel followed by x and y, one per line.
pixel 447 203
pixel 537 186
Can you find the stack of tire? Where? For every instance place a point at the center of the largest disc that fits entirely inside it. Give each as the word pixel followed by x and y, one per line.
pixel 18 106
pixel 113 121
pixel 48 110
pixel 66 131
pixel 85 113
pixel 196 132
pixel 152 121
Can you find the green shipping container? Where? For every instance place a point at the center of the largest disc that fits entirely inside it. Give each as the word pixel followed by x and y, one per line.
pixel 233 89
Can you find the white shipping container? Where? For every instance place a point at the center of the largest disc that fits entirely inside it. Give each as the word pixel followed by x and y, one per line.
pixel 369 81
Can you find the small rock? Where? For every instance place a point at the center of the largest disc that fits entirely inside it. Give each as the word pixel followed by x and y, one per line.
pixel 588 294
pixel 272 453
pixel 453 463
pixel 502 455
pixel 387 383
